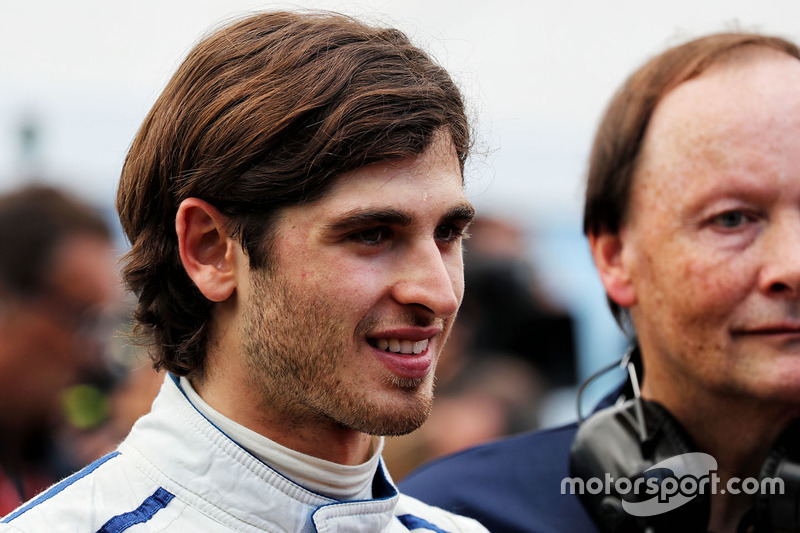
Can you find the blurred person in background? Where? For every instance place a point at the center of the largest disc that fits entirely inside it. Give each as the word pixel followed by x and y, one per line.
pixel 692 214
pixel 506 310
pixel 57 277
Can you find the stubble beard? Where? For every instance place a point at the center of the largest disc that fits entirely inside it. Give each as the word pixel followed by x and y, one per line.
pixel 295 347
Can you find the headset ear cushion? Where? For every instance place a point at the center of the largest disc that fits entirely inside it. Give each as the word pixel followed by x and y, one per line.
pixel 779 511
pixel 609 443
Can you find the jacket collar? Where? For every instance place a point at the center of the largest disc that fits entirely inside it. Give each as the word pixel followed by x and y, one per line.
pixel 181 450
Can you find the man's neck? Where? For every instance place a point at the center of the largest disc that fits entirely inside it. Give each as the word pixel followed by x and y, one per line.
pixel 738 432
pixel 306 433
pixel 340 482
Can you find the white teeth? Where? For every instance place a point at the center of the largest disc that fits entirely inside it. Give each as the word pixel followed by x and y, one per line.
pixel 402 346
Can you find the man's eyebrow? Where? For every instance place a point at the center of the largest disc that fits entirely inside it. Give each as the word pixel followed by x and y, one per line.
pixel 361 218
pixel 462 213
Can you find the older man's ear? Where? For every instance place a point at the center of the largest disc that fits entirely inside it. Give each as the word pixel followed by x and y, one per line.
pixel 609 258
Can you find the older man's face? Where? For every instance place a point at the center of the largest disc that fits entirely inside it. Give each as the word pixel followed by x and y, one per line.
pixel 711 246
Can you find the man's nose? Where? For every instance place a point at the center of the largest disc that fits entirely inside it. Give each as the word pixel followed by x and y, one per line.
pixel 780 273
pixel 431 279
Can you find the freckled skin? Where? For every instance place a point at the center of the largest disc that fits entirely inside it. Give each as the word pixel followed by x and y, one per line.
pixel 728 140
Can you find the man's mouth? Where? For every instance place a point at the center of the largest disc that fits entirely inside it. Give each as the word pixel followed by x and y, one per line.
pixel 770 333
pixel 401 346
pixel 770 329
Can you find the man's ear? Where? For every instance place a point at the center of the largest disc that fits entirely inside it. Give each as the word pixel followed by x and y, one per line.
pixel 207 251
pixel 607 252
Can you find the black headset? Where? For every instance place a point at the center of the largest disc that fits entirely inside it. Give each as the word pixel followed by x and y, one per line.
pixel 628 439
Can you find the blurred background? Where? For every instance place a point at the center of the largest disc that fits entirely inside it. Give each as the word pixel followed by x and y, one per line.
pixel 77 78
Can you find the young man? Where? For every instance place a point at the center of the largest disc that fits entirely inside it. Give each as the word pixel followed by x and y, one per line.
pixel 693 219
pixel 295 206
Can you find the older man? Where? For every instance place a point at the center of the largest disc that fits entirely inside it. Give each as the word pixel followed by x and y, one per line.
pixel 295 206
pixel 693 219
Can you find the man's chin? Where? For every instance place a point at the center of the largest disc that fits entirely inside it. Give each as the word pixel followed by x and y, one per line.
pixel 394 428
pixel 393 420
pixel 409 385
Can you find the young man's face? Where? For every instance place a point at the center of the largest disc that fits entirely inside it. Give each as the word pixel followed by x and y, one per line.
pixel 348 322
pixel 712 242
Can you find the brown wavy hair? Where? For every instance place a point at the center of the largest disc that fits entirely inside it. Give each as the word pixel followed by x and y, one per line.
pixel 619 138
pixel 263 114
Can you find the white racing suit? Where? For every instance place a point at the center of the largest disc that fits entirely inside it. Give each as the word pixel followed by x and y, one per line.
pixel 177 472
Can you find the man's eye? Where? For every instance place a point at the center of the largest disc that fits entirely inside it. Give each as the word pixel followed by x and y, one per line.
pixel 730 219
pixel 448 232
pixel 371 237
